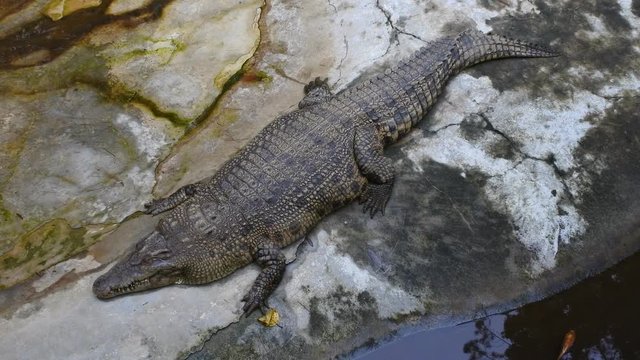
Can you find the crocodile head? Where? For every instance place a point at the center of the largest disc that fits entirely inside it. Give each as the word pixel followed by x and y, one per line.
pixel 149 265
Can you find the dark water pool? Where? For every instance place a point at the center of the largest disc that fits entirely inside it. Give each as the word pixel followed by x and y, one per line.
pixel 603 310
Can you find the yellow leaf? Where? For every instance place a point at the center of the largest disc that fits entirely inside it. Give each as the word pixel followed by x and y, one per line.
pixel 57 9
pixel 567 342
pixel 270 319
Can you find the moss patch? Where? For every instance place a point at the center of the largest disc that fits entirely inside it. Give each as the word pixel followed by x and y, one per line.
pixel 124 96
pixel 46 245
pixel 11 226
pixel 223 121
pixel 147 47
pixel 79 65
pixel 256 76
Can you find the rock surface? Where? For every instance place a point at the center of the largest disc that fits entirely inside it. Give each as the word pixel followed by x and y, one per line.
pixel 523 171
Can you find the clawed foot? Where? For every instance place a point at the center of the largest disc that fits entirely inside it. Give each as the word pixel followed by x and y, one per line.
pixel 158 206
pixel 253 300
pixel 315 92
pixel 272 261
pixel 304 244
pixel 375 198
pixel 317 83
pixel 153 207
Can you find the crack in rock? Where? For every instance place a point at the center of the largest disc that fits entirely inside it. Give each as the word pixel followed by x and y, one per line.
pixel 346 54
pixel 211 333
pixel 335 9
pixel 395 29
pixel 550 160
pixel 433 132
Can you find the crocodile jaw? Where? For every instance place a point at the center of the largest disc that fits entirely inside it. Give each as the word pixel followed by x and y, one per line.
pixel 122 280
pixel 149 264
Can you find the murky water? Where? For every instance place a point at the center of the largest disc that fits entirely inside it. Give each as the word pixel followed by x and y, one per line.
pixel 603 310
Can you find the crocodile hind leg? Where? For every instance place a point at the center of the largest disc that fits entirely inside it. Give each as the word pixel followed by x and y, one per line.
pixel 377 169
pixel 316 91
pixel 272 261
pixel 158 206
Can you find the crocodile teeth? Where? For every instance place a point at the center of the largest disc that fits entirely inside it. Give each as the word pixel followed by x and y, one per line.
pixel 131 286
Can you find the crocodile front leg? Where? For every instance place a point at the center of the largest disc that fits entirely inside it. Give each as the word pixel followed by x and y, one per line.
pixel 378 170
pixel 316 91
pixel 272 261
pixel 158 206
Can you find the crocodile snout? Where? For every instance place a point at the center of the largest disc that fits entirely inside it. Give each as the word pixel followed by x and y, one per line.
pixel 101 288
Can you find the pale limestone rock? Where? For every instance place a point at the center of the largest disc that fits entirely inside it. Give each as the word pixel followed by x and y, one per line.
pixel 341 271
pixel 118 7
pixel 181 61
pixel 84 159
pixel 57 9
pixel 156 324
pixel 56 272
pixel 341 53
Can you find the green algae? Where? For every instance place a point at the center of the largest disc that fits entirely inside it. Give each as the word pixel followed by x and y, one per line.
pixel 223 121
pixel 82 65
pixel 49 243
pixel 44 246
pixel 255 76
pixel 278 67
pixel 264 77
pixel 79 65
pixel 29 245
pixel 5 215
pixel 173 47
pixel 11 226
pixel 122 95
pixel 234 79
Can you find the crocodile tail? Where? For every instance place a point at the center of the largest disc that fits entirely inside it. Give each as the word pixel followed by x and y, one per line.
pixel 475 47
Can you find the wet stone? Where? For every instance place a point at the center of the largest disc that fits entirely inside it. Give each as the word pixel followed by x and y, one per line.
pixel 81 135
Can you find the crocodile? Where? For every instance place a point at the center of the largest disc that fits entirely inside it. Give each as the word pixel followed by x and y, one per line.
pixel 302 166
